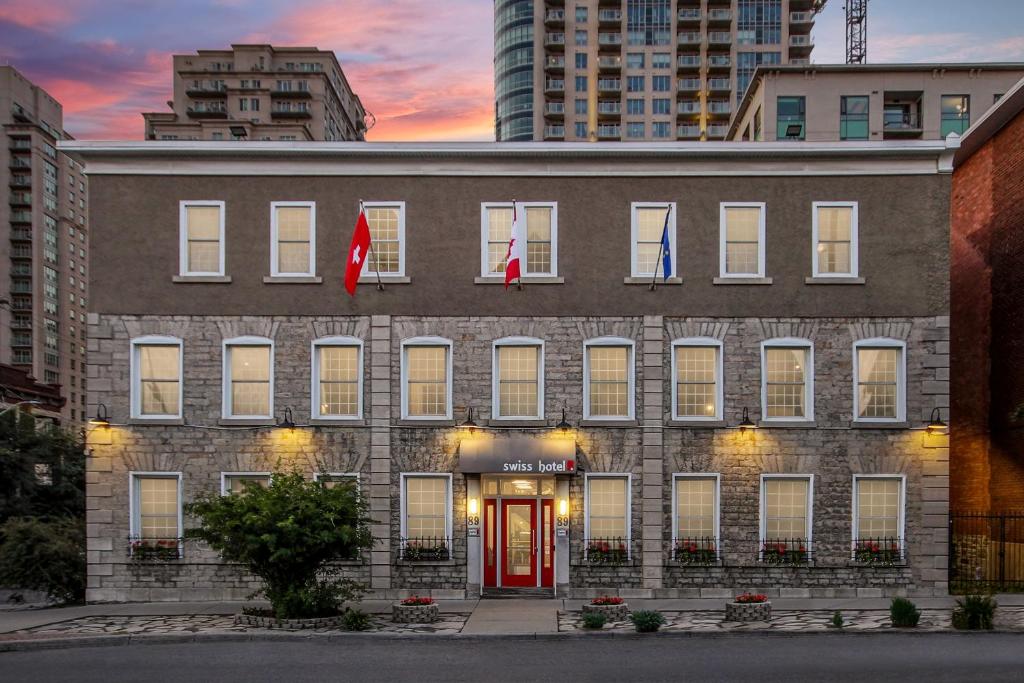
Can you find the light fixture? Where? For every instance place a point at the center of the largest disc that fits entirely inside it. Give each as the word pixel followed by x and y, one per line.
pixel 935 423
pixel 472 507
pixel 746 423
pixel 287 422
pixel 469 424
pixel 564 427
pixel 101 419
pixel 563 508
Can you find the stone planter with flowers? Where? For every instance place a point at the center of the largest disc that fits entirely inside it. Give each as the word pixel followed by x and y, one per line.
pixel 749 607
pixel 613 608
pixel 414 610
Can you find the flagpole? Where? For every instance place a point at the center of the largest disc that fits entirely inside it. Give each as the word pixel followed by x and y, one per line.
pixel 661 252
pixel 376 263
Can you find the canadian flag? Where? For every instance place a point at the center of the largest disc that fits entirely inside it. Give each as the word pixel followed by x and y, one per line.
pixel 514 257
pixel 357 252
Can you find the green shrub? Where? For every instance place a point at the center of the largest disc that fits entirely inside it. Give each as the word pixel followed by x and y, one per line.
pixel 904 613
pixel 975 613
pixel 647 621
pixel 356 620
pixel 45 556
pixel 288 535
pixel 594 620
pixel 837 619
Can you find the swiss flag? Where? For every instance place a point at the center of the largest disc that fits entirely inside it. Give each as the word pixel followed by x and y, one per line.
pixel 357 252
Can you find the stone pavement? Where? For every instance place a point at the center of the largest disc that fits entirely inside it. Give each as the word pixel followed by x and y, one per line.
pixel 513 617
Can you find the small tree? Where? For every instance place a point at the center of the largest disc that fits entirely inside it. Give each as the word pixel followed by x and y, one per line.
pixel 44 555
pixel 288 534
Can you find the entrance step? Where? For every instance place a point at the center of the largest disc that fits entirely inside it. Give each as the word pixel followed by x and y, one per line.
pixel 506 593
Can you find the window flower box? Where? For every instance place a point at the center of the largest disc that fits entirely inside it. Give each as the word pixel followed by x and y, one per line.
pixel 879 552
pixel 784 553
pixel 688 551
pixel 613 608
pixel 415 610
pixel 607 552
pixel 426 550
pixel 154 549
pixel 749 607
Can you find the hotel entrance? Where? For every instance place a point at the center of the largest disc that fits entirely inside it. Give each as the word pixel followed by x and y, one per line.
pixel 518 532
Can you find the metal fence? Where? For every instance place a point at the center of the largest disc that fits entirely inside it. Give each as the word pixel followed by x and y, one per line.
pixel 986 552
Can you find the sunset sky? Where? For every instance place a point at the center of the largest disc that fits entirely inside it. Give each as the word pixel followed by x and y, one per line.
pixel 423 67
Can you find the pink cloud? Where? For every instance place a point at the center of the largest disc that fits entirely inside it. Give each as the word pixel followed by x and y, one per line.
pixel 39 15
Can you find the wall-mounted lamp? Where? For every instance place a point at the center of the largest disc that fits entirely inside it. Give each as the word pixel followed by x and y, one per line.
pixel 746 423
pixel 564 427
pixel 470 424
pixel 101 419
pixel 935 423
pixel 563 508
pixel 287 422
pixel 473 512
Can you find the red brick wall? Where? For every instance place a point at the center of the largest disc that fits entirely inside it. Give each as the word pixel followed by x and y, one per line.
pixel 987 326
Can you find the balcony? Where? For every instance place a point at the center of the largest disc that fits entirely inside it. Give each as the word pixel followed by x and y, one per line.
pixel 21 251
pixel 207 90
pixel 608 17
pixel 606 132
pixel 901 120
pixel 689 15
pixel 554 132
pixel 800 62
pixel 719 108
pixel 554 85
pixel 801 22
pixel 688 107
pixel 719 62
pixel 688 63
pixel 554 17
pixel 720 38
pixel 688 85
pixel 554 41
pixel 609 85
pixel 21 269
pixel 609 109
pixel 801 45
pixel 688 131
pixel 21 181
pixel 554 63
pixel 554 109
pixel 719 17
pixel 21 216
pixel 21 303
pixel 20 144
pixel 21 199
pixel 609 63
pixel 21 161
pixel 21 339
pixel 21 286
pixel 21 323
pixel 297 94
pixel 19 114
pixel 689 38
pixel 609 40
pixel 21 234
pixel 213 110
pixel 717 131
pixel 718 85
pixel 291 112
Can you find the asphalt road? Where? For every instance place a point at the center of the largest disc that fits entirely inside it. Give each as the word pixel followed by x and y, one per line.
pixel 831 658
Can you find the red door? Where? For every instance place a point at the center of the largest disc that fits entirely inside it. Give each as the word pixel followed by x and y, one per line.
pixel 519 543
pixel 547 544
pixel 490 542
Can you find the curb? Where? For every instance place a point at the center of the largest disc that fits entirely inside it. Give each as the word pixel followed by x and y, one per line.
pixel 273 636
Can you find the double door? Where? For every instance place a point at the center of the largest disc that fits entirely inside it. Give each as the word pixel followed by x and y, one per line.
pixel 519 543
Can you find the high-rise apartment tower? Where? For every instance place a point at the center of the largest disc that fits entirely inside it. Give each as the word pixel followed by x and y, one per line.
pixel 581 70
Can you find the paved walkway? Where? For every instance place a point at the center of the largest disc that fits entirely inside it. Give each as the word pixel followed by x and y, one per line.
pixel 513 617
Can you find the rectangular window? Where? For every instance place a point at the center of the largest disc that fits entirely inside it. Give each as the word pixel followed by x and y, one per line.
pixel 695 522
pixel 787 380
pixel 786 519
pixel 156 369
pixel 387 237
pixel 878 519
pixel 518 391
pixel 337 378
pixel 234 483
pixel 581 14
pixel 956 114
pixel 853 117
pixel 635 129
pixel 293 239
pixel 661 106
pixel 835 239
pixel 607 518
pixel 661 83
pixel 581 38
pixel 742 237
pixel 581 84
pixel 661 60
pixel 156 512
pixel 608 384
pixel 541 232
pixel 581 106
pixel 635 83
pixel 426 368
pixel 202 238
pixel 426 518
pixel 647 227
pixel 697 372
pixel 581 130
pixel 634 60
pixel 880 367
pixel 661 129
pixel 249 378
pixel 635 106
pixel 581 60
pixel 790 115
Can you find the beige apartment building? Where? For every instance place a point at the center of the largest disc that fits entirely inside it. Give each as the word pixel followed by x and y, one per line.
pixel 44 256
pixel 828 102
pixel 259 92
pixel 636 69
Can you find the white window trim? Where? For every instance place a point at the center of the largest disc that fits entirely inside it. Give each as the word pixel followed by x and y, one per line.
pixel 628 476
pixel 227 410
pixel 354 475
pixel 521 211
pixel 854 241
pixel 426 341
pixel 719 378
pixel 634 229
pixel 224 476
pixel 760 239
pixel 314 408
pixel 135 513
pixel 496 376
pixel 135 372
pixel 901 378
pixel 405 476
pixel 369 272
pixel 788 342
pixel 901 511
pixel 810 507
pixel 718 505
pixel 274 263
pixel 631 385
pixel 183 238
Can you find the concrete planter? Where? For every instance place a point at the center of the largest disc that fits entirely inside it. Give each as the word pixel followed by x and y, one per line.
pixel 748 611
pixel 287 624
pixel 610 612
pixel 414 614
